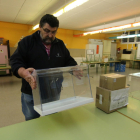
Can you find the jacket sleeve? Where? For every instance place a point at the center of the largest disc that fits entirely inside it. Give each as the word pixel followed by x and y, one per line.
pixel 19 58
pixel 69 61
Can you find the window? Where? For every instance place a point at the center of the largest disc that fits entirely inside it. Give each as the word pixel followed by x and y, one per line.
pixel 138 38
pixel 124 40
pixel 131 40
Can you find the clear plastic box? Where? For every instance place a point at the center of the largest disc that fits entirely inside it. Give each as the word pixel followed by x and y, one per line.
pixel 134 90
pixel 59 89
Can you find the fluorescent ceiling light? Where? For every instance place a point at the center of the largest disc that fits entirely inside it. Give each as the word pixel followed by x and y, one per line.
pixel 136 24
pixel 80 2
pixel 108 29
pixel 74 4
pixel 70 6
pixel 60 12
pixel 128 36
pixel 65 9
pixel 95 32
pixel 36 26
pixel 117 28
pixel 86 33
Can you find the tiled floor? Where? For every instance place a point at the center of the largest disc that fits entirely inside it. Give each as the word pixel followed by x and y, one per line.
pixel 10 95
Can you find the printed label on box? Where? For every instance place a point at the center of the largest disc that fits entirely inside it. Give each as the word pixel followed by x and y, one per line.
pixel 105 59
pixel 90 51
pixel 119 98
pixel 100 99
pixel 115 80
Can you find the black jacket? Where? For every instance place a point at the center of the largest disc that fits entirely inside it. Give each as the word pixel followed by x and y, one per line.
pixel 31 53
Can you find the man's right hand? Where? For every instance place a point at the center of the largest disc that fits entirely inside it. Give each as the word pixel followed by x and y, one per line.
pixel 26 74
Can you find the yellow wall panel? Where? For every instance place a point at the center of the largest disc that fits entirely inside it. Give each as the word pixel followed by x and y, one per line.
pixel 124 46
pixel 13 32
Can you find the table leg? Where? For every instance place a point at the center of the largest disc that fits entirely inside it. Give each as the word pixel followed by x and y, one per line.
pixel 88 68
pixel 133 64
pixel 139 65
pixel 97 68
pixel 110 68
pixel 105 68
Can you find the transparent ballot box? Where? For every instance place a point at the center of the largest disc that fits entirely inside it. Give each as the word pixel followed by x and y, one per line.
pixel 134 80
pixel 62 88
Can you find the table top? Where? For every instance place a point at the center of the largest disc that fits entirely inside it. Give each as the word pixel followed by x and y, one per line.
pixel 128 59
pixel 100 62
pixel 7 67
pixel 135 74
pixel 81 123
pixel 132 110
pixel 136 60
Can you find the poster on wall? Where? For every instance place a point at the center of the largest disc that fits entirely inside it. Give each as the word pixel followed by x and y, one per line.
pixel 90 51
pixel 1 51
pixel 97 49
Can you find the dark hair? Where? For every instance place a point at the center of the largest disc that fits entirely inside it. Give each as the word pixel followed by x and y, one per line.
pixel 50 19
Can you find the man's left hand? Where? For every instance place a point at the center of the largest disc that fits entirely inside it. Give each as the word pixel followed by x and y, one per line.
pixel 78 73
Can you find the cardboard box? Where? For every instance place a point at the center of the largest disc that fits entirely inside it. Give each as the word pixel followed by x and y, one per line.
pixel 129 64
pixel 105 58
pixel 110 101
pixel 112 81
pixel 127 56
pixel 118 56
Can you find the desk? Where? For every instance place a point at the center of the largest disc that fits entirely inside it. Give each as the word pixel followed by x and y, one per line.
pixel 105 63
pixel 5 68
pixel 127 59
pixel 132 110
pixel 81 123
pixel 134 63
pixel 129 62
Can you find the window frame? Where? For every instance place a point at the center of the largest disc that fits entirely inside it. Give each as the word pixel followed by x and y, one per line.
pixel 135 38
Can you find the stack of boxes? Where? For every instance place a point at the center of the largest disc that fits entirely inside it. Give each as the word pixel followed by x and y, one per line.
pixel 112 93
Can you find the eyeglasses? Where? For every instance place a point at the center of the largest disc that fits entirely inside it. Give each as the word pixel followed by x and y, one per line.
pixel 48 31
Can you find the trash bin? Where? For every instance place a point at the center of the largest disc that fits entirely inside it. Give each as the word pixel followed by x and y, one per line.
pixel 117 67
pixel 120 67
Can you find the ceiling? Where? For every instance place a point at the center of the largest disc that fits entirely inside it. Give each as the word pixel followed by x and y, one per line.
pixel 92 15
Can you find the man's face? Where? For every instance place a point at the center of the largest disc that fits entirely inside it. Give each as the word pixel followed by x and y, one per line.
pixel 48 33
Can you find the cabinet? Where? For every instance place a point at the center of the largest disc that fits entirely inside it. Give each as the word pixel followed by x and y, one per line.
pixel 3 59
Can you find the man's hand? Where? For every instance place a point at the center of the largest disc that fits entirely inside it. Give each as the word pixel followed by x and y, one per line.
pixel 26 74
pixel 78 73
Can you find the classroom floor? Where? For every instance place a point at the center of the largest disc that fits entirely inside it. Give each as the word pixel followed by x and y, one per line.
pixel 10 95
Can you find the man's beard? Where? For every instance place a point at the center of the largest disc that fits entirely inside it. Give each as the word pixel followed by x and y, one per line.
pixel 47 41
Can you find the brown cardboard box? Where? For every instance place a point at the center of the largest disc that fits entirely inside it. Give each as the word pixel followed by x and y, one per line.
pixel 129 64
pixel 112 81
pixel 127 56
pixel 110 101
pixel 105 58
pixel 118 56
